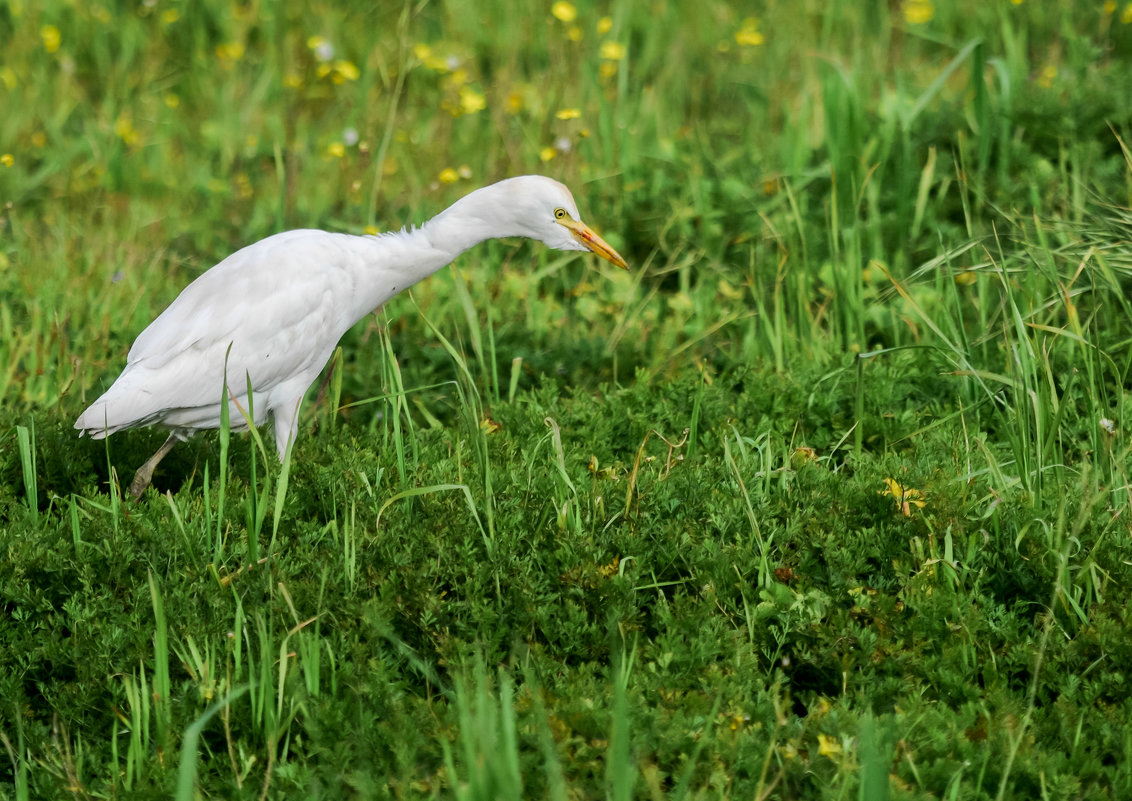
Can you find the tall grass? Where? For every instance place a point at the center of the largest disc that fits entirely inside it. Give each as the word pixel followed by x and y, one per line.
pixel 827 495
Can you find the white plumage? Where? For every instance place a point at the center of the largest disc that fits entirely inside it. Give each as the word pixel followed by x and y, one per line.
pixel 276 309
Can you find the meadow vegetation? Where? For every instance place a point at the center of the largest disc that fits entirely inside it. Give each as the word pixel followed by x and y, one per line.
pixel 827 497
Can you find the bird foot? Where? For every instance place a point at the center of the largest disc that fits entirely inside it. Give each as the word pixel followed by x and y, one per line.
pixel 145 472
pixel 142 478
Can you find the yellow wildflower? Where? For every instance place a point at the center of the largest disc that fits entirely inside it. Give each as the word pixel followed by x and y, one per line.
pixel 918 12
pixel 1126 14
pixel 609 570
pixel 607 69
pixel 905 497
pixel 346 71
pixel 604 26
pixel 514 103
pixel 7 160
pixel 371 230
pixel 574 33
pixel 489 426
pixel 568 114
pixel 448 176
pixel 749 34
pixel 828 746
pixel 1109 8
pixel 232 51
pixel 39 139
pixel 171 100
pixel 170 15
pixel 612 51
pixel 8 77
pixel 339 71
pixel 564 11
pixel 1046 76
pixel 124 128
pixel 292 80
pixel 51 38
pixel 464 171
pixel 336 150
pixel 437 63
pixel 471 101
pixel 432 60
pixel 547 154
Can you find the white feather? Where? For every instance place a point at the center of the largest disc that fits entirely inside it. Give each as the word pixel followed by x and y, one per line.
pixel 274 311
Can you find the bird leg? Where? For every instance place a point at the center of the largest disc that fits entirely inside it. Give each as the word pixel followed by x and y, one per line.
pixel 145 472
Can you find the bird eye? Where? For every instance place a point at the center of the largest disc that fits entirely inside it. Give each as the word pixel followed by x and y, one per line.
pixel 559 214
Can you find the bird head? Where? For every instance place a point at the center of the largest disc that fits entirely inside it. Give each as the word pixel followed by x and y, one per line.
pixel 543 209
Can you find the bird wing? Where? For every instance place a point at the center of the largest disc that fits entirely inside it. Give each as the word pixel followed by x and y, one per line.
pixel 273 310
pixel 257 291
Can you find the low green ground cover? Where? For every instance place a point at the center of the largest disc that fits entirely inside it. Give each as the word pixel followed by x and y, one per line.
pixel 827 497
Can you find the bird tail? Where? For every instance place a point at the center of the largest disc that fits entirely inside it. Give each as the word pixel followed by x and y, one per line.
pixel 124 405
pixel 96 421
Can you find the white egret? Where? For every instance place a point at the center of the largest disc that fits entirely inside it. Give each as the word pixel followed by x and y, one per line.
pixel 274 311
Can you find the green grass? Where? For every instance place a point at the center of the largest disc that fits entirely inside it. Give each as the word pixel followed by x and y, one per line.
pixel 827 497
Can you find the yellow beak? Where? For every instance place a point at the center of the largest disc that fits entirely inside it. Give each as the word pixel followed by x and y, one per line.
pixel 584 234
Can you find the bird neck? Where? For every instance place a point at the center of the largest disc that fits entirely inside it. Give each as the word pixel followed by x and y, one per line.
pixel 396 261
pixel 472 219
pixel 401 259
